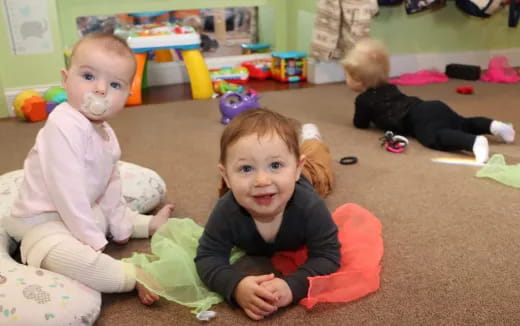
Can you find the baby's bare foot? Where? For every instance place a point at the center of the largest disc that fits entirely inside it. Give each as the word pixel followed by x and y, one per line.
pixel 161 217
pixel 146 296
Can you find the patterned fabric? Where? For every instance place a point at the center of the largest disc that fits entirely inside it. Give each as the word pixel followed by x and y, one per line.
pixel 414 6
pixel 339 25
pixel 33 296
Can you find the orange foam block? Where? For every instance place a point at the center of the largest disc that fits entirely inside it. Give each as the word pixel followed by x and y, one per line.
pixel 34 109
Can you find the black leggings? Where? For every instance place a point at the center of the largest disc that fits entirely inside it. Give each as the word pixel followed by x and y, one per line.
pixel 437 126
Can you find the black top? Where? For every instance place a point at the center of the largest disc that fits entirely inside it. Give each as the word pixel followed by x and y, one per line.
pixel 306 222
pixel 385 106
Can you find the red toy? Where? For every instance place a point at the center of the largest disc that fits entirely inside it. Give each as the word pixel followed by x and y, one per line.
pixel 465 90
pixel 258 69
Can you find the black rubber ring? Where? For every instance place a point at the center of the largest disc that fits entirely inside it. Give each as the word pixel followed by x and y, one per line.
pixel 348 160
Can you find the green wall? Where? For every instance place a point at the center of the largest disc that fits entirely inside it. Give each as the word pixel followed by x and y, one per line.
pixel 29 70
pixel 43 69
pixel 286 24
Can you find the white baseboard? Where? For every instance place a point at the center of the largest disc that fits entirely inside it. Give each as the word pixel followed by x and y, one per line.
pixel 331 71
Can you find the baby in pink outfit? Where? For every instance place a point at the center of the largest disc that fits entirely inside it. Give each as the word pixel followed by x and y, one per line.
pixel 71 198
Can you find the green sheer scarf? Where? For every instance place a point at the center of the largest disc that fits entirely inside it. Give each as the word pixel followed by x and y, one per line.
pixel 170 270
pixel 497 169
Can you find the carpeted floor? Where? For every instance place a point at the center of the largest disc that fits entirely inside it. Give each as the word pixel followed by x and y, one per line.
pixel 452 240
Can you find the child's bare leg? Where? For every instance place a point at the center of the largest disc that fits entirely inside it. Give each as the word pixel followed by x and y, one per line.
pixel 146 296
pixel 160 218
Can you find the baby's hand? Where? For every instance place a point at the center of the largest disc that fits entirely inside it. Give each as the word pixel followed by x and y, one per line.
pixel 256 300
pixel 280 289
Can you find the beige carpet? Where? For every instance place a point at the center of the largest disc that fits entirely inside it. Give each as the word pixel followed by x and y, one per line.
pixel 452 241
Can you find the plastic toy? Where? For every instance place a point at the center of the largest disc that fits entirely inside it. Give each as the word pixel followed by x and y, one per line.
pixel 237 75
pixel 290 66
pixel 145 38
pixel 31 106
pixel 49 106
pixel 233 103
pixel 34 109
pixel 394 143
pixel 222 87
pixel 258 69
pixel 465 90
pixel 20 99
pixel 55 94
pixel 255 48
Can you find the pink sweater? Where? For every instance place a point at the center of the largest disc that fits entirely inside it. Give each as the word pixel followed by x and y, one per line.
pixel 71 168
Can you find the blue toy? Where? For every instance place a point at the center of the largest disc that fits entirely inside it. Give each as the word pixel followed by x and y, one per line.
pixel 55 94
pixel 232 103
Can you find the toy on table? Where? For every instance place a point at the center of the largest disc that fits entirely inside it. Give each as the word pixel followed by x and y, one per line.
pixel 394 143
pixel 259 68
pixel 255 48
pixel 145 38
pixel 233 103
pixel 221 87
pixel 290 66
pixel 236 75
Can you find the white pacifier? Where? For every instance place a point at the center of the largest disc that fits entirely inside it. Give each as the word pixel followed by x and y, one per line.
pixel 95 105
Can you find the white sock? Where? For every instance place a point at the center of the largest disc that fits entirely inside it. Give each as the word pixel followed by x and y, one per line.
pixel 504 130
pixel 310 131
pixel 481 149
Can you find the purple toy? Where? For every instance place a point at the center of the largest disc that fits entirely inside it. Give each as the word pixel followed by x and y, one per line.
pixel 49 106
pixel 232 103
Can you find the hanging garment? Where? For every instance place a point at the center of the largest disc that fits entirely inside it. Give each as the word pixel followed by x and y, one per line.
pixel 414 6
pixel 339 24
pixel 480 8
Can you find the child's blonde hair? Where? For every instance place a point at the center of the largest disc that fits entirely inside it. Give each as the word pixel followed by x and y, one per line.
pixel 262 122
pixel 367 63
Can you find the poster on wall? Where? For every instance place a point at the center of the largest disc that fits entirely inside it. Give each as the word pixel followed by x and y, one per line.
pixel 28 26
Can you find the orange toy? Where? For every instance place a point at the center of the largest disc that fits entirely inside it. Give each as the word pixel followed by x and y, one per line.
pixel 135 91
pixel 34 109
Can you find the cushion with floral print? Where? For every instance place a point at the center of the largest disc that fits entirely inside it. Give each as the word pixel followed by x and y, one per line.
pixel 34 296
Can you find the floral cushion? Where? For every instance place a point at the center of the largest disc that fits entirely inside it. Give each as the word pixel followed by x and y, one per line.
pixel 33 296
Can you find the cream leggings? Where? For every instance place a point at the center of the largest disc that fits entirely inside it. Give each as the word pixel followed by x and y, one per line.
pixel 70 257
